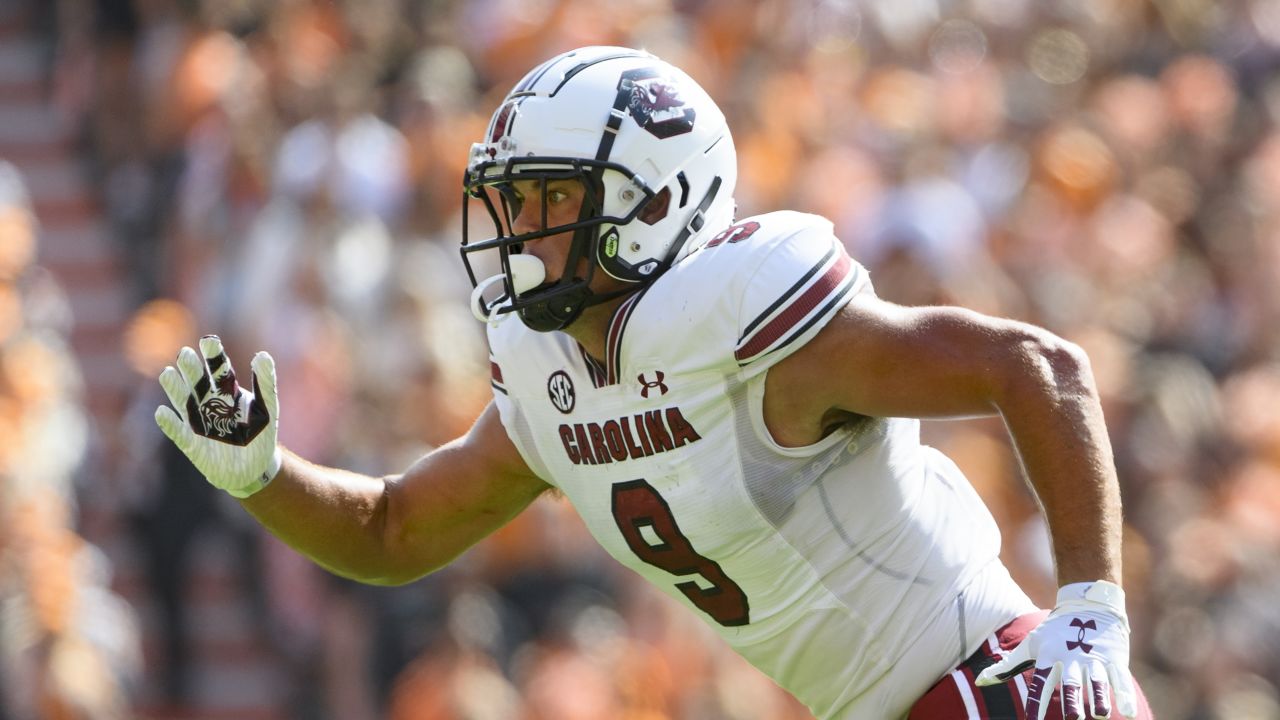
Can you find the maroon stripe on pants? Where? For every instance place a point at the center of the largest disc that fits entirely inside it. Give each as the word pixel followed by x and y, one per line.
pixel 944 702
pixel 966 669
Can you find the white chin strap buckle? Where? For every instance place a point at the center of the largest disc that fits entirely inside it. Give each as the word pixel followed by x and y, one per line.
pixel 527 272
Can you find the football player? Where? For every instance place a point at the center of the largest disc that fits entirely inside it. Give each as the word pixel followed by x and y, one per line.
pixel 734 414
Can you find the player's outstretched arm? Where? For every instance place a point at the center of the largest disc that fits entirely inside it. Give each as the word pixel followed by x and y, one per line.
pixel 387 530
pixel 883 360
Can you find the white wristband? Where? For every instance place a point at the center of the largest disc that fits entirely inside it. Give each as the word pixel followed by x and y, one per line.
pixel 1099 591
pixel 263 480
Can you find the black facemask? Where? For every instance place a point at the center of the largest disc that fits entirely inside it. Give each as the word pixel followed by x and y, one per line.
pixel 550 306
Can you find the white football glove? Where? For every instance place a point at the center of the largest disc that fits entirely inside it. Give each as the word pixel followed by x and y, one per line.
pixel 1084 643
pixel 228 432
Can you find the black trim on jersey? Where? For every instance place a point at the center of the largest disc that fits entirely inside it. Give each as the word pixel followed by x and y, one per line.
pixel 786 295
pixel 841 294
pixel 498 387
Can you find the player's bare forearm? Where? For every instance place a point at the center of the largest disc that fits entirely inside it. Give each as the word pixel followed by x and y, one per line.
pixel 336 518
pixel 1055 419
pixel 393 530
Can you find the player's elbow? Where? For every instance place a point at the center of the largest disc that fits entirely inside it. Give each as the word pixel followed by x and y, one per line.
pixel 375 569
pixel 394 572
pixel 1044 365
pixel 400 555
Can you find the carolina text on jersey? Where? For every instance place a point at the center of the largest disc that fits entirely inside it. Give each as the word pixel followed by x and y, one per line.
pixel 628 437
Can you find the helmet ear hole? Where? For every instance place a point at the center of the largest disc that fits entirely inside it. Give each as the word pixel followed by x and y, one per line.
pixel 657 208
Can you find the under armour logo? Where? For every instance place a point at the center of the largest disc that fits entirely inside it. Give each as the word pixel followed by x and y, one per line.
pixel 647 385
pixel 1079 641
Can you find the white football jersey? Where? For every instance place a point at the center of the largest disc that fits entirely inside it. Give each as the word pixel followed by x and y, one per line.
pixel 856 571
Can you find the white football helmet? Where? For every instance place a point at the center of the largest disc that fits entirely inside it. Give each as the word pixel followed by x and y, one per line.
pixel 653 151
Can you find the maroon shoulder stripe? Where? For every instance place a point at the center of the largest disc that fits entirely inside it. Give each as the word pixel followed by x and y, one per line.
pixel 785 297
pixel 834 281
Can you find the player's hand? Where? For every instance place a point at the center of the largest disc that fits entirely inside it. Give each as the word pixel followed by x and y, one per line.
pixel 1084 645
pixel 228 432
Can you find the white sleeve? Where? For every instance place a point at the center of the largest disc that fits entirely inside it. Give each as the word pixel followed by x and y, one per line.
pixel 515 423
pixel 798 287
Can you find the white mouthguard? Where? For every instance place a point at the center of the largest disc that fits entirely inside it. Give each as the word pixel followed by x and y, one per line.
pixel 527 272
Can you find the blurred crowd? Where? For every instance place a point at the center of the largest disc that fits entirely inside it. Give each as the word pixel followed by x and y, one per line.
pixel 68 644
pixel 287 174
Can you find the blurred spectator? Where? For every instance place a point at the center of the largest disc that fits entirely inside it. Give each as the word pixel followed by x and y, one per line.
pixel 159 497
pixel 68 645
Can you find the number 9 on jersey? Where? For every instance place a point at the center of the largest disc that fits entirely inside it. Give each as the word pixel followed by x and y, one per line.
pixel 636 505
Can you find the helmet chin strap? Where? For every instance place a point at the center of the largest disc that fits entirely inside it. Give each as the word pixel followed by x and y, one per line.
pixel 560 311
pixel 555 313
pixel 696 221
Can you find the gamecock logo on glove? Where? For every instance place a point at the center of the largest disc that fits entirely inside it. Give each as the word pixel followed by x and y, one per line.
pixel 218 415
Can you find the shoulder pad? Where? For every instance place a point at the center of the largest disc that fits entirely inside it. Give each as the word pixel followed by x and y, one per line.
pixel 758 289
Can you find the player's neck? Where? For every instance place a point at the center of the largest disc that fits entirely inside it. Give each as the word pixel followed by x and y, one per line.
pixel 591 329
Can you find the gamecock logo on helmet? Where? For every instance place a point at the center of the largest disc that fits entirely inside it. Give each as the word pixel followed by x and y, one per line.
pixel 656 104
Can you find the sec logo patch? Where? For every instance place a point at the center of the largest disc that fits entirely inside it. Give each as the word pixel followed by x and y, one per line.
pixel 560 388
